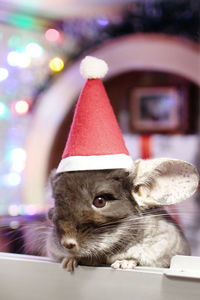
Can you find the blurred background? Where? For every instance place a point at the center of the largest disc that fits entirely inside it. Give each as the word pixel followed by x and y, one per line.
pixel 152 49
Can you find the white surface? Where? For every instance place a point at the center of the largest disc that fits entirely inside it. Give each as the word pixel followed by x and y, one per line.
pixel 182 266
pixel 29 277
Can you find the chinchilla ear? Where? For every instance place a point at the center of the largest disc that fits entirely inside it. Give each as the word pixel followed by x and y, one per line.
pixel 163 181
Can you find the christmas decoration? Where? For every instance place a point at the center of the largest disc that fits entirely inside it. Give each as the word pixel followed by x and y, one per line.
pixel 24 72
pixel 95 140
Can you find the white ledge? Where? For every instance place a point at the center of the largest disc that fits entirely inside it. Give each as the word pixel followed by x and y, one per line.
pixel 29 277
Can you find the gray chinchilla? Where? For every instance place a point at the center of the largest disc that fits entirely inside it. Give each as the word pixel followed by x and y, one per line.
pixel 114 217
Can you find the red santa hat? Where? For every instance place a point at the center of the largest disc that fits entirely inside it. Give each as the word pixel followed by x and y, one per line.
pixel 95 141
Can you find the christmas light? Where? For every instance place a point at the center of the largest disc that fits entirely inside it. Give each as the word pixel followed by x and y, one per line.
pixel 3 110
pixel 13 58
pixel 14 41
pixel 21 20
pixel 52 35
pixel 56 64
pixel 30 209
pixel 13 210
pixel 18 158
pixel 3 74
pixel 18 59
pixel 102 21
pixel 33 50
pixel 24 60
pixel 21 107
pixel 14 224
pixel 18 154
pixel 12 179
pixel 18 166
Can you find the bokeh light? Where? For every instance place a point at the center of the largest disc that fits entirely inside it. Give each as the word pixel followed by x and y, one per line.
pixel 56 64
pixel 30 209
pixel 3 74
pixel 102 21
pixel 24 60
pixel 13 210
pixel 3 110
pixel 18 159
pixel 13 58
pixel 14 41
pixel 21 107
pixel 14 224
pixel 12 179
pixel 34 49
pixel 18 59
pixel 18 154
pixel 21 20
pixel 52 35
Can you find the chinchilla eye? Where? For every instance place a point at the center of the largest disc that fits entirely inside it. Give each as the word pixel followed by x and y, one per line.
pixel 99 202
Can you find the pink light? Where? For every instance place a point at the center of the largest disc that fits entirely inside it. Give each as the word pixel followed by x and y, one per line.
pixel 30 209
pixel 21 107
pixel 52 35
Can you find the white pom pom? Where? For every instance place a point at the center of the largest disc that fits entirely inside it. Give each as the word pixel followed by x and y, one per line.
pixel 92 67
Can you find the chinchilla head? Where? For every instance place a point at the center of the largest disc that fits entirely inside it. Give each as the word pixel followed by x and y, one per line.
pixel 100 212
pixel 92 209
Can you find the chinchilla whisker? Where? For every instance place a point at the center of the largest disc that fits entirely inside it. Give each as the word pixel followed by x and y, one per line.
pixel 12 241
pixel 155 213
pixel 10 233
pixel 30 247
pixel 5 226
pixel 36 227
pixel 33 243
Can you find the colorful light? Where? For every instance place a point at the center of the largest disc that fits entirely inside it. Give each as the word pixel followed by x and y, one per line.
pixel 102 21
pixel 3 74
pixel 30 209
pixel 18 154
pixel 33 50
pixel 12 179
pixel 14 224
pixel 18 59
pixel 21 107
pixel 24 60
pixel 18 158
pixel 3 110
pixel 14 41
pixel 56 64
pixel 52 35
pixel 21 20
pixel 13 58
pixel 13 210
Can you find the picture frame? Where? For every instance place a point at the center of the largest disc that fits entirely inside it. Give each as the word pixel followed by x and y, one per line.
pixel 157 109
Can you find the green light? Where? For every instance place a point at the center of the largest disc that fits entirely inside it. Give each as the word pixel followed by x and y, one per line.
pixel 22 21
pixel 14 42
pixel 3 110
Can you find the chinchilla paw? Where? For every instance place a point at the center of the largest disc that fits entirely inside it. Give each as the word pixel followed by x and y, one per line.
pixel 69 263
pixel 124 264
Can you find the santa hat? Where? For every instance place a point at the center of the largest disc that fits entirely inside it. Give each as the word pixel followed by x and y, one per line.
pixel 95 141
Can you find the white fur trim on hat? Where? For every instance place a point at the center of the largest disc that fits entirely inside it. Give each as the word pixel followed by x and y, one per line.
pixel 95 162
pixel 92 67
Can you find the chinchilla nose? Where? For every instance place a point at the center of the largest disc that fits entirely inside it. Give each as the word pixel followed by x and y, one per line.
pixel 69 243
